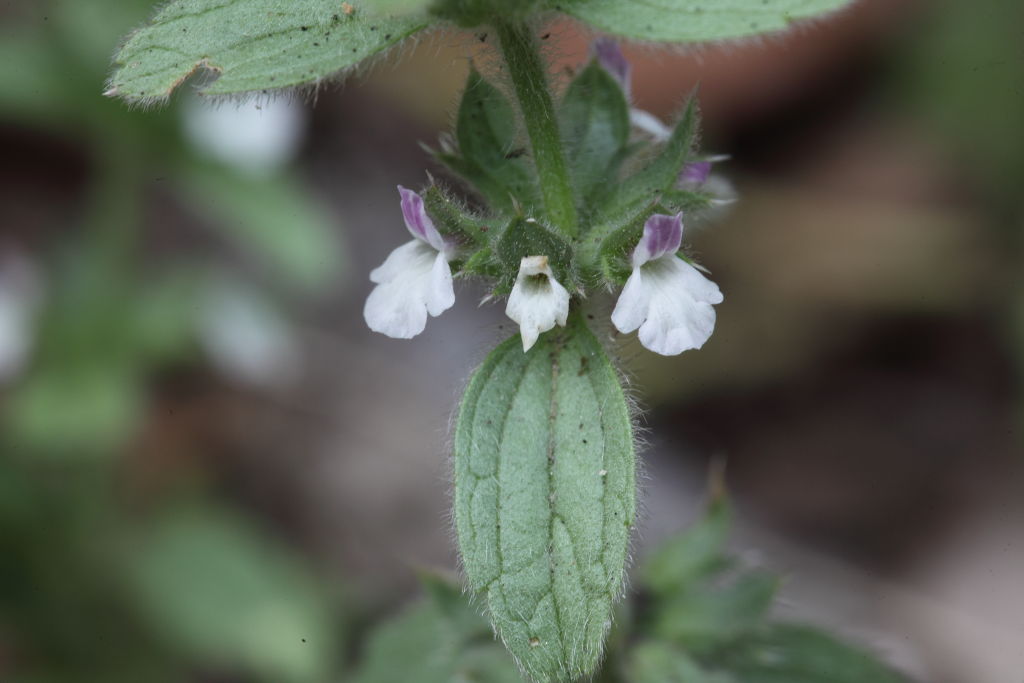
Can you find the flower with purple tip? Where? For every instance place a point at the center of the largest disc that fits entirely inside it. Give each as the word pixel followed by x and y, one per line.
pixel 666 298
pixel 609 56
pixel 415 280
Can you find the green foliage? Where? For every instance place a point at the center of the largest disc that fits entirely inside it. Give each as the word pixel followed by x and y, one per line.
pixel 701 620
pixel 488 156
pixel 707 621
pixel 270 219
pixel 788 653
pixel 475 12
pixel 691 556
pixel 659 662
pixel 228 597
pixel 685 21
pixel 100 332
pixel 617 218
pixel 440 640
pixel 656 176
pixel 250 45
pixel 89 590
pixel 544 497
pixel 595 127
pixel 257 45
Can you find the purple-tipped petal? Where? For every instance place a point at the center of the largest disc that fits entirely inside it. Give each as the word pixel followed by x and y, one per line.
pixel 663 234
pixel 695 173
pixel 417 220
pixel 609 56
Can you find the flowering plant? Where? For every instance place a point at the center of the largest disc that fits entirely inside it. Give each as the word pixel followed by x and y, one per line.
pixel 578 194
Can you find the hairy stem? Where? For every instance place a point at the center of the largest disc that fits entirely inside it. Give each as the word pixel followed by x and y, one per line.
pixel 520 49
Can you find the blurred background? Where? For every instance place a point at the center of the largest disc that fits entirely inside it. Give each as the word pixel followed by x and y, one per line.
pixel 210 469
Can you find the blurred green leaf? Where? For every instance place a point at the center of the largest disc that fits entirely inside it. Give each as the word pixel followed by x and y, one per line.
pixel 271 219
pixel 99 334
pixel 35 91
pixel 595 127
pixel 963 73
pixel 660 174
pixel 440 640
pixel 226 596
pixel 705 615
pixel 785 653
pixel 657 662
pixel 692 555
pixel 683 21
pixel 250 45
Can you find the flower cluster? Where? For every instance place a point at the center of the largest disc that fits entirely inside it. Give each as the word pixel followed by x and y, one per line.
pixel 664 297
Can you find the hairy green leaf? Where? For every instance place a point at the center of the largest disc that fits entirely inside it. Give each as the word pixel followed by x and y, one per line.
pixel 595 127
pixel 488 156
pixel 251 45
pixel 545 497
pixel 689 21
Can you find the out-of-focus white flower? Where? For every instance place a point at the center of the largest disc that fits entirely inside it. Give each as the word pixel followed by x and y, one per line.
pixel 414 280
pixel 668 299
pixel 697 175
pixel 20 294
pixel 538 301
pixel 245 338
pixel 257 137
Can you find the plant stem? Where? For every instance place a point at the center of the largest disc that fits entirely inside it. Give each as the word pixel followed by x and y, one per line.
pixel 520 48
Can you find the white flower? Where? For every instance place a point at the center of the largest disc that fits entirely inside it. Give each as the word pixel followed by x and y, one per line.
pixel 414 280
pixel 256 138
pixel 537 301
pixel 665 297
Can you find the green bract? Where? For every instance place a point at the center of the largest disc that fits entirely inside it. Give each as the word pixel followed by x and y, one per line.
pixel 251 45
pixel 488 155
pixel 595 127
pixel 545 497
